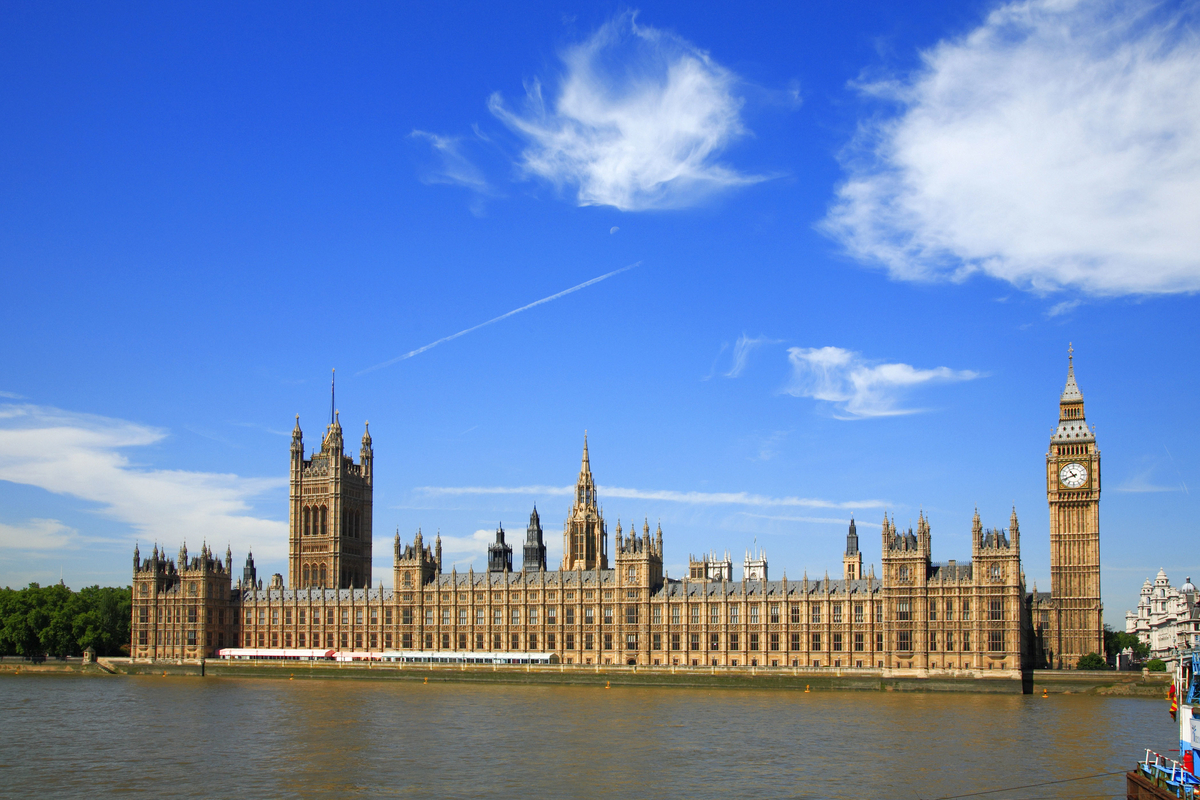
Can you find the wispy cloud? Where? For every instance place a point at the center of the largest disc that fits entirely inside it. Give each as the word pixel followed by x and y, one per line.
pixel 768 446
pixel 1142 483
pixel 691 498
pixel 858 523
pixel 506 315
pixel 857 387
pixel 84 456
pixel 741 352
pixel 1055 146
pixel 454 167
pixel 37 535
pixel 639 121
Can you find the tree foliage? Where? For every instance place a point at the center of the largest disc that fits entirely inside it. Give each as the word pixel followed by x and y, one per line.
pixel 54 621
pixel 1156 665
pixel 1092 661
pixel 1116 641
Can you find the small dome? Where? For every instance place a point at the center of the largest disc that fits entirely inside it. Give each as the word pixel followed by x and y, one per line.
pixel 1188 587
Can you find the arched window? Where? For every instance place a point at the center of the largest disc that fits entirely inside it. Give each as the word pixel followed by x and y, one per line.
pixel 324 521
pixel 322 575
pixel 304 525
pixel 304 581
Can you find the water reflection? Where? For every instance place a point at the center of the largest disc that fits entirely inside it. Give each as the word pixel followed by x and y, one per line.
pixel 191 737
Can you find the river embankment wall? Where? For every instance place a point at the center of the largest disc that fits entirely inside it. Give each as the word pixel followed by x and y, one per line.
pixel 1105 683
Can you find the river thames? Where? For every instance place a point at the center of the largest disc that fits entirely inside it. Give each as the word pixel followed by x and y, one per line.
pixel 211 737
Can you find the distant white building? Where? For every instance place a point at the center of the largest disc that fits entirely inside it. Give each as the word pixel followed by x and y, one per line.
pixel 1167 618
pixel 754 568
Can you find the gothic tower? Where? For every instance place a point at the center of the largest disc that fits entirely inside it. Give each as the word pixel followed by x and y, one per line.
pixel 585 538
pixel 535 546
pixel 329 526
pixel 852 560
pixel 500 553
pixel 1073 491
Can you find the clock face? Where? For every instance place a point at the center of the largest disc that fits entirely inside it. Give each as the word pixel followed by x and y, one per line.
pixel 1073 475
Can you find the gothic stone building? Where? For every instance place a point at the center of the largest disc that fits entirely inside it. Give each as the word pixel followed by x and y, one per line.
pixel 618 606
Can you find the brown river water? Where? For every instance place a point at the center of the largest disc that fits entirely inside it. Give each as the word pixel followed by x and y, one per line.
pixel 263 738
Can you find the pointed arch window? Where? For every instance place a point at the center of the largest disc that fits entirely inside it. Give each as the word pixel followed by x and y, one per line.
pixel 324 521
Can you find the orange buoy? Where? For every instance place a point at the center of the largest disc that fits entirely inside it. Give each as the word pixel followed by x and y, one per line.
pixel 1044 692
pixel 606 684
pixel 806 688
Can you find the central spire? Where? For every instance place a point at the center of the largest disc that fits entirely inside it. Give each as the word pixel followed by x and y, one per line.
pixel 585 487
pixel 584 537
pixel 1071 393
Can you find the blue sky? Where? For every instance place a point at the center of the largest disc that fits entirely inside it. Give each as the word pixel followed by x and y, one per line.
pixel 846 246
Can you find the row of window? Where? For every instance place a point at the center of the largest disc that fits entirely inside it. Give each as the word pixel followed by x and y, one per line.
pixel 995 610
pixel 589 641
pixel 632 615
pixel 180 614
pixel 178 638
pixel 190 588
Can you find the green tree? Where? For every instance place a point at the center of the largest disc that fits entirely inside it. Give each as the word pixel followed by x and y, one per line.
pixel 103 619
pixel 1091 661
pixel 1117 641
pixel 1156 665
pixel 53 620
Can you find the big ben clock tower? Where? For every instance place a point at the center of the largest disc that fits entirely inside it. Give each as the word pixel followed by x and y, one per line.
pixel 1073 491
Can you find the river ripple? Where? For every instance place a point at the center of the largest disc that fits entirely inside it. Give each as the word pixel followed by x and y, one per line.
pixel 219 737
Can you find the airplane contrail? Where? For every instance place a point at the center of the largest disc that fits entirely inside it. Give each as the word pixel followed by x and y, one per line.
pixel 431 345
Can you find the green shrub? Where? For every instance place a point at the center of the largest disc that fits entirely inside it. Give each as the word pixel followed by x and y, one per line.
pixel 1156 665
pixel 1091 661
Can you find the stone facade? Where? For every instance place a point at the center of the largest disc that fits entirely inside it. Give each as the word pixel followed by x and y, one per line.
pixel 917 613
pixel 1167 619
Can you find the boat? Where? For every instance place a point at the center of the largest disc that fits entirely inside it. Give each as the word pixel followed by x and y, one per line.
pixel 1160 777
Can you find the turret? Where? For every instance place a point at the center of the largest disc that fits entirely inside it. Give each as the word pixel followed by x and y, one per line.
pixel 852 560
pixel 415 565
pixel 366 455
pixel 297 442
pixel 535 546
pixel 500 553
pixel 249 573
pixel 137 559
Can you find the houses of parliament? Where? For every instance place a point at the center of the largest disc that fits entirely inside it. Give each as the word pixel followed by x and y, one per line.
pixel 611 602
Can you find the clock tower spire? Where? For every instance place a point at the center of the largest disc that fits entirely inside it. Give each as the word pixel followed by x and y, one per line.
pixel 1073 492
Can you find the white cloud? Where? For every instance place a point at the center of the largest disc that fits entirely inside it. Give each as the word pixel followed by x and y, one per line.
pixel 454 167
pixel 691 498
pixel 857 387
pixel 640 118
pixel 741 352
pixel 37 534
pixel 820 520
pixel 83 456
pixel 1056 146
